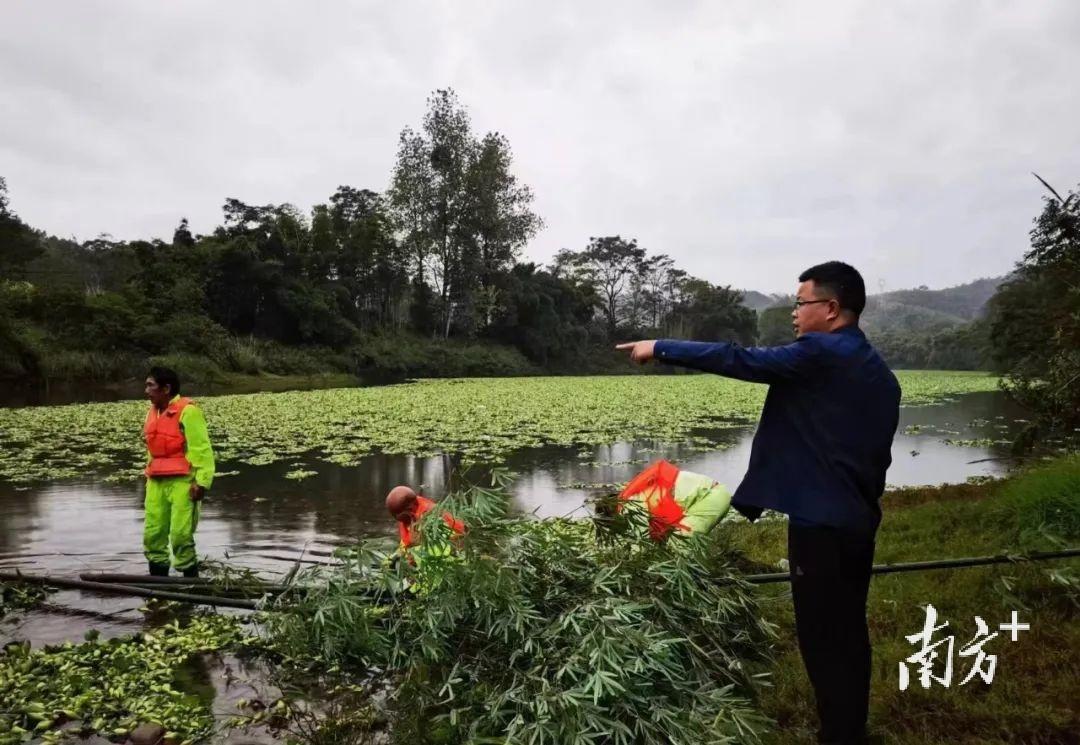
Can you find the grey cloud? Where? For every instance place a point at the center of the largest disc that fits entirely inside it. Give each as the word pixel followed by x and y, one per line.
pixel 744 139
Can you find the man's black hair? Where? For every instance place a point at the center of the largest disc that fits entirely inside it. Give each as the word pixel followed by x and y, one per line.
pixel 841 280
pixel 166 376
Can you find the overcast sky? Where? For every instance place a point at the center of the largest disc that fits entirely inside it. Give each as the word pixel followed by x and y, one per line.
pixel 745 139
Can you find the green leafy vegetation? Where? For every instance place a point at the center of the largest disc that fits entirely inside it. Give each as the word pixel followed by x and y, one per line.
pixel 960 347
pixel 1036 320
pixel 543 631
pixel 15 597
pixel 110 687
pixel 1045 502
pixel 482 419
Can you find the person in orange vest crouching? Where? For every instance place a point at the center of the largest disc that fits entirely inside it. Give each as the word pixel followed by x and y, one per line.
pixel 407 507
pixel 178 473
pixel 677 501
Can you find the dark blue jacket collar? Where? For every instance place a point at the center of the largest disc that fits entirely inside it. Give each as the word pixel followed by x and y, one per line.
pixel 851 329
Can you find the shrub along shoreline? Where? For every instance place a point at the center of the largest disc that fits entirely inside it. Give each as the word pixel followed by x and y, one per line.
pixel 248 365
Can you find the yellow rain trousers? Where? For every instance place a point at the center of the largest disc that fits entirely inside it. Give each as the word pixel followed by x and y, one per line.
pixel 171 516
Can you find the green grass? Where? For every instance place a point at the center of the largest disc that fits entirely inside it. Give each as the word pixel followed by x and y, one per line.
pixel 1033 698
pixel 483 419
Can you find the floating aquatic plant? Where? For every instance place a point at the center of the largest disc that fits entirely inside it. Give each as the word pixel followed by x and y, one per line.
pixel 481 419
pixel 109 687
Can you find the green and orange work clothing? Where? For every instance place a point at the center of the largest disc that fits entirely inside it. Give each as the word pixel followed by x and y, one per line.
pixel 677 501
pixel 410 538
pixel 180 455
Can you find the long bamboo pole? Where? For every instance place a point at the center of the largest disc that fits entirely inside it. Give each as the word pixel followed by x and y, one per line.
pixel 919 566
pixel 115 589
pixel 145 580
pixel 124 589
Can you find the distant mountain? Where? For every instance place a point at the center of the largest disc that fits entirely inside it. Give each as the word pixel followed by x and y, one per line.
pixel 920 310
pixel 759 301
pixel 966 302
pixel 882 315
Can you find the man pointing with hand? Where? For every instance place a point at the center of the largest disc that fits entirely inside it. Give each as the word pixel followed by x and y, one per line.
pixel 820 454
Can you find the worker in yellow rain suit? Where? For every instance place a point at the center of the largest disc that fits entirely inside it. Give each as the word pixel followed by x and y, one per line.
pixel 179 472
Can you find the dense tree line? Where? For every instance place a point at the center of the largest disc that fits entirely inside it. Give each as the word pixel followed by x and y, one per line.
pixel 433 259
pixel 427 278
pixel 965 347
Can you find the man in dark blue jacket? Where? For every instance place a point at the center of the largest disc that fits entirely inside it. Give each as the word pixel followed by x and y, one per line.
pixel 819 455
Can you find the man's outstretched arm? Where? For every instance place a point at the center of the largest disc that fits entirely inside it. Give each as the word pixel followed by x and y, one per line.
pixel 754 364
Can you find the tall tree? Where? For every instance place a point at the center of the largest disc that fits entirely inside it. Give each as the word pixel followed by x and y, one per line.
pixel 499 223
pixel 371 263
pixel 708 312
pixel 608 263
pixel 18 243
pixel 460 211
pixel 321 255
pixel 1035 317
pixel 655 282
pixel 182 236
pixel 774 326
pixel 430 197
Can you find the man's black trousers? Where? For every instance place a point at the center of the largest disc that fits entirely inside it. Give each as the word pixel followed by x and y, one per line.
pixel 830 576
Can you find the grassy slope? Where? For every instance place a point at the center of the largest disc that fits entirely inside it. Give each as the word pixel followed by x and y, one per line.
pixel 1036 687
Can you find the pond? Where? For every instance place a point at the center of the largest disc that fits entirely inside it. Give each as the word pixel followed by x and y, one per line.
pixel 260 519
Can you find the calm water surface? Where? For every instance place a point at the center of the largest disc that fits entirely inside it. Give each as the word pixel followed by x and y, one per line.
pixel 264 521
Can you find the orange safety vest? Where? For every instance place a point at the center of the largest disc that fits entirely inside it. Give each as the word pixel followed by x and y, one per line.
pixel 165 441
pixel 423 506
pixel 657 483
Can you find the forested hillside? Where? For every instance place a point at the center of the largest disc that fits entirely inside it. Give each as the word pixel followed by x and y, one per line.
pixel 424 276
pixel 966 302
pixel 920 328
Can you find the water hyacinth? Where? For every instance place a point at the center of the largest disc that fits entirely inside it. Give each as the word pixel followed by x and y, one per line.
pixel 481 419
pixel 109 687
pixel 540 631
pixel 15 597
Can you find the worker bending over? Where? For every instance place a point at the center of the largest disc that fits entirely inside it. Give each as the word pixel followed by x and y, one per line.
pixel 677 501
pixel 407 507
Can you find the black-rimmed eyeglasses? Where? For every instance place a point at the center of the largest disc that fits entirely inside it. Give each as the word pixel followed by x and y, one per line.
pixel 800 303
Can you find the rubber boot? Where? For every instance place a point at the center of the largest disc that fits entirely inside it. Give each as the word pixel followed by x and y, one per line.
pixel 159 570
pixel 192 571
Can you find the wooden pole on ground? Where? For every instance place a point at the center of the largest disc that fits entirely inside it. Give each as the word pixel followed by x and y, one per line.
pixel 920 566
pixel 117 589
pixel 146 580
